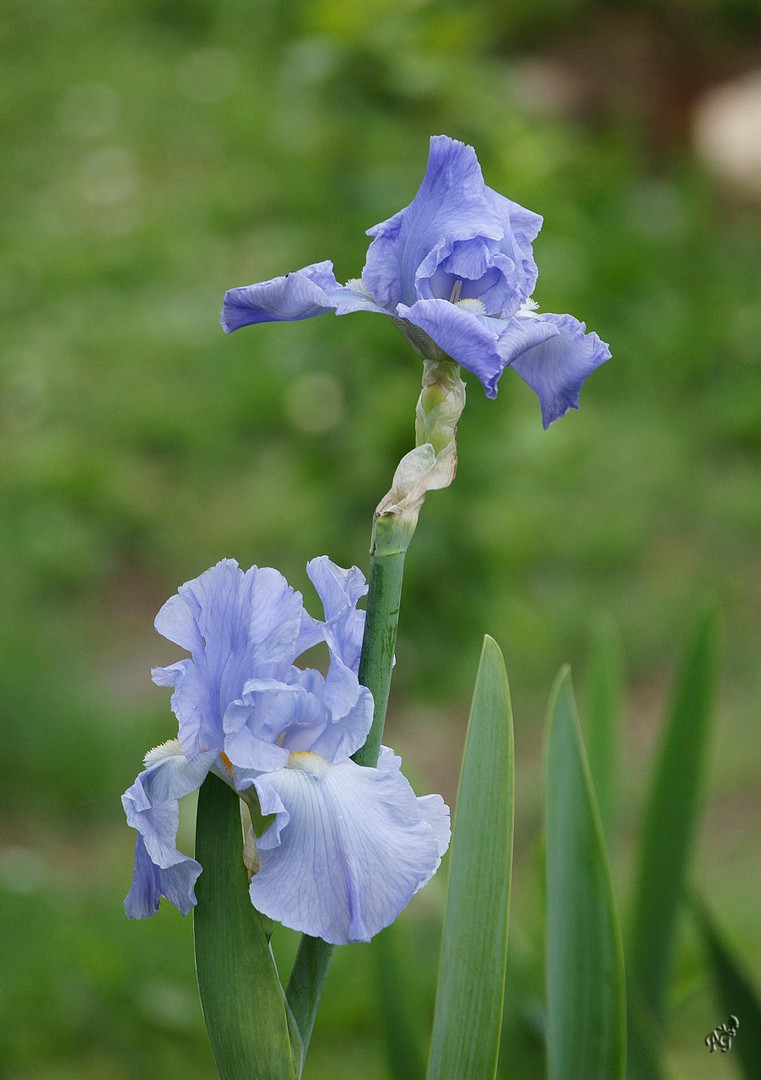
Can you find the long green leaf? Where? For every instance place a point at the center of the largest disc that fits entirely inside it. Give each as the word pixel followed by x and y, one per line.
pixel 468 1018
pixel 586 1004
pixel 602 709
pixel 735 993
pixel 668 829
pixel 242 999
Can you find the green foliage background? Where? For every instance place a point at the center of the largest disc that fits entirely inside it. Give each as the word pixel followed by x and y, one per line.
pixel 154 154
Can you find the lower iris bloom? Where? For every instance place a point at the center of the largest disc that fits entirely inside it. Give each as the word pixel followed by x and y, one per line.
pixel 340 848
pixel 455 271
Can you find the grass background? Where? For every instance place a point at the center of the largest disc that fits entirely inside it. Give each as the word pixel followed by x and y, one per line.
pixel 154 154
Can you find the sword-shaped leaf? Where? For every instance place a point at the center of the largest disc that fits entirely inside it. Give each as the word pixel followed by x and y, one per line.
pixel 468 1018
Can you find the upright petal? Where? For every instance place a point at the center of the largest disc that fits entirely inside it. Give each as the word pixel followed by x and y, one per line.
pixel 339 590
pixel 450 204
pixel 299 295
pixel 557 367
pixel 453 207
pixel 238 625
pixel 349 850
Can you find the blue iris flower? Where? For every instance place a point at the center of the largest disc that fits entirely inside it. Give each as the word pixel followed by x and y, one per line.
pixel 341 848
pixel 455 271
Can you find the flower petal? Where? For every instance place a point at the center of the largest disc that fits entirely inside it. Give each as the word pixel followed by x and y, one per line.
pixel 557 367
pixel 339 590
pixel 151 808
pixel 453 204
pixel 238 625
pixel 353 850
pixel 151 802
pixel 151 882
pixel 299 295
pixel 481 344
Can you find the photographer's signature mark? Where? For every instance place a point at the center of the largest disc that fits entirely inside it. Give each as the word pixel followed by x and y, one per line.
pixel 722 1036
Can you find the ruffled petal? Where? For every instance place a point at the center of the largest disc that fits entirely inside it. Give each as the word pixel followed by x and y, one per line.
pixel 151 808
pixel 557 367
pixel 299 295
pixel 151 802
pixel 238 625
pixel 151 882
pixel 339 590
pixel 452 208
pixel 481 344
pixel 353 849
pixel 449 204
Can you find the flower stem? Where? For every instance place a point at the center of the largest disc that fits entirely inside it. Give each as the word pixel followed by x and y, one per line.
pixel 310 967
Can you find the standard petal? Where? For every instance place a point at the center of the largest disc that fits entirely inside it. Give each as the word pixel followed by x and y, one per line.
pixel 240 625
pixel 151 882
pixel 458 236
pixel 299 295
pixel 557 367
pixel 481 344
pixel 339 590
pixel 450 204
pixel 353 850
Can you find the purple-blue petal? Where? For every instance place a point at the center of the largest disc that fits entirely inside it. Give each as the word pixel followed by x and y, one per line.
pixel 299 295
pixel 557 367
pixel 452 207
pixel 353 849
pixel 480 344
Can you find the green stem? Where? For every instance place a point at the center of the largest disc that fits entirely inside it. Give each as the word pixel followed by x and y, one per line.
pixel 377 659
pixel 310 967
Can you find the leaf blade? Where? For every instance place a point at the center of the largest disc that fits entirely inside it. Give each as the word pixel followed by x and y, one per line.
pixel 669 826
pixel 586 1008
pixel 468 1017
pixel 241 996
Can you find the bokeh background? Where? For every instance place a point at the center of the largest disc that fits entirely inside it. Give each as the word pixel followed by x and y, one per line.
pixel 157 152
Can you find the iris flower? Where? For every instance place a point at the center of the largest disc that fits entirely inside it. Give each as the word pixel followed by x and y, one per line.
pixel 340 848
pixel 455 271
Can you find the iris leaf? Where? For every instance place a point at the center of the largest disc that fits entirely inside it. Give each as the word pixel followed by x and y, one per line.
pixel 668 829
pixel 468 1018
pixel 734 992
pixel 244 1007
pixel 586 1006
pixel 602 722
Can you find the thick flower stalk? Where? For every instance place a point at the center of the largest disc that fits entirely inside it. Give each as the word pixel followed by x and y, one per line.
pixel 454 271
pixel 339 847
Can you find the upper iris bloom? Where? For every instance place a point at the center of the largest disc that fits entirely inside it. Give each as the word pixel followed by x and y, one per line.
pixel 340 848
pixel 455 271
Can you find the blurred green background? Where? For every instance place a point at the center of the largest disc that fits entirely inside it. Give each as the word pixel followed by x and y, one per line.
pixel 156 153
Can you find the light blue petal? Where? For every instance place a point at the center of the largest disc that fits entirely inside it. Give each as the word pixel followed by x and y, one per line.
pixel 329 716
pixel 151 882
pixel 556 368
pixel 258 727
pixel 349 299
pixel 299 295
pixel 339 590
pixel 151 802
pixel 239 625
pixel 432 807
pixel 355 847
pixel 482 345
